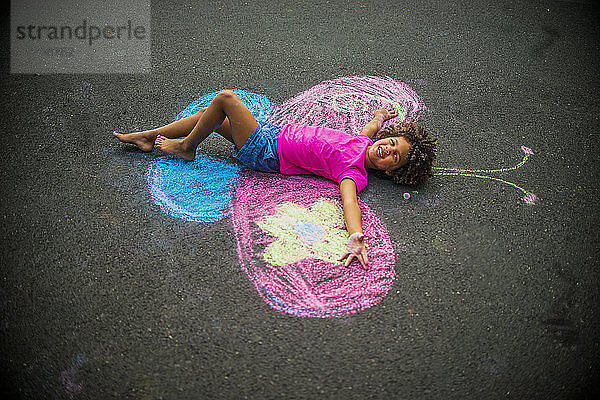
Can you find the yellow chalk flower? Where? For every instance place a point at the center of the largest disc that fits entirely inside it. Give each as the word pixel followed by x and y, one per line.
pixel 317 232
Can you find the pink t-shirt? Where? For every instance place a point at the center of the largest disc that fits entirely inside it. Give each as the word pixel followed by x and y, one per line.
pixel 327 152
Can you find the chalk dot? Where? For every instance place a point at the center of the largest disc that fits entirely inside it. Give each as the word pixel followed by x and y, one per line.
pixel 406 196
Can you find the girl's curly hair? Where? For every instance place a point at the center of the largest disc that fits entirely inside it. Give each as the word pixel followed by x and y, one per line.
pixel 420 156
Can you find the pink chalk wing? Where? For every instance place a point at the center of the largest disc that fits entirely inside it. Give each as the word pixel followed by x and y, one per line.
pixel 310 286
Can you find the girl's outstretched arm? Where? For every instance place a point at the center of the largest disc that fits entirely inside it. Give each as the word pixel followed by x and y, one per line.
pixel 381 115
pixel 352 216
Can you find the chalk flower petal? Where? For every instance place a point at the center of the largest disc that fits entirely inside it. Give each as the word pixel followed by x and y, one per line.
pixel 279 253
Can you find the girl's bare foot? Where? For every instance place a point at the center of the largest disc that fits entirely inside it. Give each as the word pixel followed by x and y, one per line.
pixel 177 147
pixel 143 140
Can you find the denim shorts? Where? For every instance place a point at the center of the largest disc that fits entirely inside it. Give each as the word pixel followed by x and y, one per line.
pixel 260 150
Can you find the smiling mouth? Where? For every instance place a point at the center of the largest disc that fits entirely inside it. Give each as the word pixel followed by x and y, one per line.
pixel 379 152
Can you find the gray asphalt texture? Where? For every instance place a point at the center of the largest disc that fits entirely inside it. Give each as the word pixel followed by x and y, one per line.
pixel 102 295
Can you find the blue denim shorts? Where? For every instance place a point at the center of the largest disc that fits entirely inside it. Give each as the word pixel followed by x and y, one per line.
pixel 260 150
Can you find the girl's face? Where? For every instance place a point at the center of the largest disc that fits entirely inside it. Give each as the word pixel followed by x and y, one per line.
pixel 387 154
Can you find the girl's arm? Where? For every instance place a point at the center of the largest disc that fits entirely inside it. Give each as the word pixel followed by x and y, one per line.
pixel 380 117
pixel 352 216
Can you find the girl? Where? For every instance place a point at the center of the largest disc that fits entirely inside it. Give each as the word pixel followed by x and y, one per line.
pixel 403 153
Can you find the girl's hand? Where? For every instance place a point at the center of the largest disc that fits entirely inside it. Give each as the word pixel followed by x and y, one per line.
pixel 386 113
pixel 356 249
pixel 381 115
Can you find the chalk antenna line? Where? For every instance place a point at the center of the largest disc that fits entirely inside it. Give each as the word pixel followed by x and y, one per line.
pixel 529 197
pixel 486 171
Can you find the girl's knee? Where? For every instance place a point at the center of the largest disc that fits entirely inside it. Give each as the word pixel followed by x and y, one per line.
pixel 227 95
pixel 201 111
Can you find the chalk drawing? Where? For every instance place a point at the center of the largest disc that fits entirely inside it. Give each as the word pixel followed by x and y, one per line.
pixel 67 377
pixel 348 103
pixel 289 230
pixel 290 237
pixel 529 198
pixel 200 190
pixel 289 240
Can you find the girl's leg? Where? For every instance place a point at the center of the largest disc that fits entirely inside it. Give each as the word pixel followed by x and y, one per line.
pixel 226 114
pixel 176 129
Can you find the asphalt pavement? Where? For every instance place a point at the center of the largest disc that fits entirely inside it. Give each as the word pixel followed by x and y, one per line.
pixel 103 295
